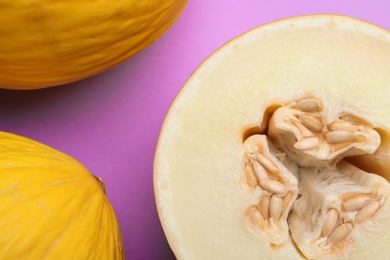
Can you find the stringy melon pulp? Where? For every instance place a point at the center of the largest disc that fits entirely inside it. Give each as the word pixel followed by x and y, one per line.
pixel 325 162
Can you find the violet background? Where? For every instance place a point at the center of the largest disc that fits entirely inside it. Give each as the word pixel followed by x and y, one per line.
pixel 111 122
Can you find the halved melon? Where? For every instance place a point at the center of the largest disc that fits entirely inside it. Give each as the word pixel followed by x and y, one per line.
pixel 277 146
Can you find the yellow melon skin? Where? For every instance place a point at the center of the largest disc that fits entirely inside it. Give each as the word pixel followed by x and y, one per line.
pixel 48 43
pixel 51 207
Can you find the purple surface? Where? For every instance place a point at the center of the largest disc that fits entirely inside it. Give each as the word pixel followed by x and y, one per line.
pixel 110 122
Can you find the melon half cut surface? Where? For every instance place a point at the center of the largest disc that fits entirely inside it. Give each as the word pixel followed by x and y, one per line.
pixel 277 147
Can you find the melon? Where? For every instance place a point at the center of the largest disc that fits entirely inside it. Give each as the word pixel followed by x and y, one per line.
pixel 49 43
pixel 51 207
pixel 277 147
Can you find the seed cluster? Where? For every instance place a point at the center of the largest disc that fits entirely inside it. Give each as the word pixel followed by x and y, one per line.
pixel 309 123
pixel 301 131
pixel 263 172
pixel 303 124
pixel 335 229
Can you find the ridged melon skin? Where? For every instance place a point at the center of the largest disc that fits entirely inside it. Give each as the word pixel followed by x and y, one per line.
pixel 199 156
pixel 49 43
pixel 51 207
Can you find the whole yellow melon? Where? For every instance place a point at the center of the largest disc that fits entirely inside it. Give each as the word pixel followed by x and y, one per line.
pixel 48 43
pixel 51 207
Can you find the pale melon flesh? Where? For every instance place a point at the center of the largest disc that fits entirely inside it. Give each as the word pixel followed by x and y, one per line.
pixel 277 146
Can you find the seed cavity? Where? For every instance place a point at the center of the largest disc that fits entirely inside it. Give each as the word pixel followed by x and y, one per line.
pixel 301 140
